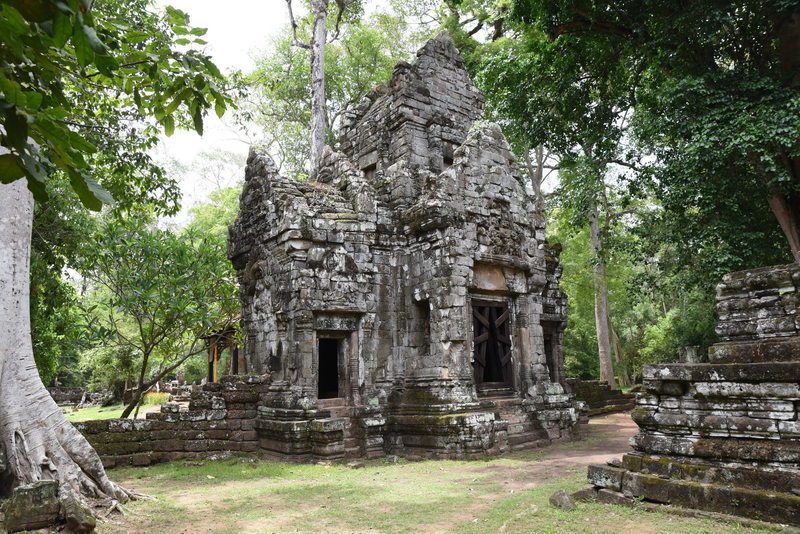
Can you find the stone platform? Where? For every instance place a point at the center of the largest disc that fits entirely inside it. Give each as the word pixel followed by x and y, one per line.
pixel 599 397
pixel 724 436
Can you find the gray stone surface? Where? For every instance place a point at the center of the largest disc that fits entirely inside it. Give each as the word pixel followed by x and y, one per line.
pixel 561 499
pixel 418 217
pixel 78 516
pixel 724 436
pixel 32 506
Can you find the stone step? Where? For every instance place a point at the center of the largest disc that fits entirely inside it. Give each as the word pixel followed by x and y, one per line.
pixel 351 453
pixel 498 390
pixel 780 480
pixel 614 484
pixel 522 429
pixel 526 439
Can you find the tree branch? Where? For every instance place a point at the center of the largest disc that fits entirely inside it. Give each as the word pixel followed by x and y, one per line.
pixel 476 29
pixel 626 164
pixel 342 5
pixel 589 25
pixel 295 40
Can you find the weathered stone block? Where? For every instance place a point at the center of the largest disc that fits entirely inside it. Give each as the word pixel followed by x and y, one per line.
pixel 604 476
pixel 32 506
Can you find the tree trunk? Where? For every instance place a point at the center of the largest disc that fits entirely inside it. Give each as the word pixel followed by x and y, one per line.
pixel 144 387
pixel 36 440
pixel 319 122
pixel 787 209
pixel 600 301
pixel 536 173
pixel 788 217
pixel 619 356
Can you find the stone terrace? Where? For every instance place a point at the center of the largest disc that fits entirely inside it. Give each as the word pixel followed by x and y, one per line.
pixel 724 436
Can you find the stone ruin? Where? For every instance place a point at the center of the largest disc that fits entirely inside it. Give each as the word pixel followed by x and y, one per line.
pixel 724 436
pixel 405 301
pixel 599 397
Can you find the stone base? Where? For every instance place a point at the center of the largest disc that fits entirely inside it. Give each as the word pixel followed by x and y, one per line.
pixel 710 486
pixel 468 430
pixel 31 507
pixel 457 435
pixel 599 397
pixel 336 433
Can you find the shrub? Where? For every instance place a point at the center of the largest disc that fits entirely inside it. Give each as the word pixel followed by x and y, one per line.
pixel 155 399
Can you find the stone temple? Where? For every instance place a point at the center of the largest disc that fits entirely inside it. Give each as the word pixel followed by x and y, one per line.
pixel 404 302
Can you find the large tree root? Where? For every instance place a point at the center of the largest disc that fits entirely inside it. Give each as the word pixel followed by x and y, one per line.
pixel 36 440
pixel 40 444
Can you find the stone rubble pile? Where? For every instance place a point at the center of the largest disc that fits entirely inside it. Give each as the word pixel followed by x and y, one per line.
pixel 724 436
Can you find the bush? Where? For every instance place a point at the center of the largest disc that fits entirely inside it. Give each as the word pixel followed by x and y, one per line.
pixel 155 399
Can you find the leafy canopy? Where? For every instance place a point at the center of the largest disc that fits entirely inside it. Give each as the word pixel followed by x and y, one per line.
pixel 361 57
pixel 54 54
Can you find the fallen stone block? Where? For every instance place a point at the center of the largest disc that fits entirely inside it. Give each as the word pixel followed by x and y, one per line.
pixel 32 506
pixel 561 499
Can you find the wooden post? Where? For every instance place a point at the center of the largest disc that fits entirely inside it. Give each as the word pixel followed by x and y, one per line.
pixel 216 360
pixel 211 363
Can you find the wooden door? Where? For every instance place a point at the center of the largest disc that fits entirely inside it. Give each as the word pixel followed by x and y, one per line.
pixel 492 340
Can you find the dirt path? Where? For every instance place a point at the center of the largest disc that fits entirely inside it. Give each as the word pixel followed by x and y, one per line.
pixel 608 437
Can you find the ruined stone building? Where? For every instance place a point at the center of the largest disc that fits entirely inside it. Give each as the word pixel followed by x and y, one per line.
pixel 405 301
pixel 724 436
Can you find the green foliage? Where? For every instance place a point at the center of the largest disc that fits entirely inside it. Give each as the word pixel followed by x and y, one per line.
pixel 653 312
pixel 155 399
pixel 106 365
pixel 690 323
pixel 58 242
pixel 212 219
pixel 580 338
pixel 716 101
pixel 156 294
pixel 280 106
pixel 71 75
pixel 83 95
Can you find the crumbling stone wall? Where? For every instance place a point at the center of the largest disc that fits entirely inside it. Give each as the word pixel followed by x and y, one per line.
pixel 418 223
pixel 599 397
pixel 66 395
pixel 725 436
pixel 221 418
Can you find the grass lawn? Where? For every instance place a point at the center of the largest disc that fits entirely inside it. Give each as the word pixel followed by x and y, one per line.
pixel 94 412
pixel 507 495
pixel 427 497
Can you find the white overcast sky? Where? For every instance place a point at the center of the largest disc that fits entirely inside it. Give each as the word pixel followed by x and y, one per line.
pixel 237 30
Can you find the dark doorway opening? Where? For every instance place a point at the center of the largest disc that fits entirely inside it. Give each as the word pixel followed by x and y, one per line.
pixel 549 333
pixel 492 340
pixel 328 372
pixel 548 351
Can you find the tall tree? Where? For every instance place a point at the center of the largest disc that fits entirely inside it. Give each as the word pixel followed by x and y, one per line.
pixel 719 100
pixel 53 53
pixel 279 103
pixel 316 47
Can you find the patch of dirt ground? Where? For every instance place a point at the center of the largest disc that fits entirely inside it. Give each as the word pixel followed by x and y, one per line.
pixel 506 494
